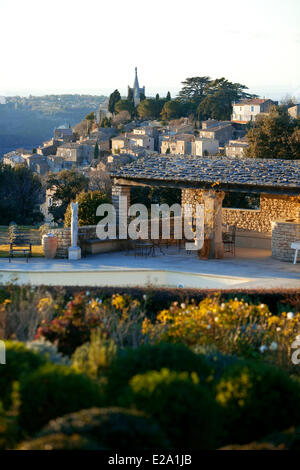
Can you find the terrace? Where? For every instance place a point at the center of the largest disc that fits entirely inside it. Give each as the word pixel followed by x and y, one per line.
pixel 263 257
pixel 205 181
pixel 250 268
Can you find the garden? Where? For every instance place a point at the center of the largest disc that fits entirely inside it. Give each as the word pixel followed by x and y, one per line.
pixel 149 369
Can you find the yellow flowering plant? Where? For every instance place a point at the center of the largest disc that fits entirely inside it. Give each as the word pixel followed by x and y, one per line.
pixel 234 327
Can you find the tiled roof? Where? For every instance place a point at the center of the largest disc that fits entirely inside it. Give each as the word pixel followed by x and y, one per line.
pixel 236 174
pixel 252 101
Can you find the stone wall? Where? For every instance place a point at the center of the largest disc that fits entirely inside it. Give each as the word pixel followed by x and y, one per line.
pixel 283 234
pixel 87 232
pixel 271 208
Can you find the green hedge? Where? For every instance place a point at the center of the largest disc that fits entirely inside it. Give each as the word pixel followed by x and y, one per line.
pixel 53 391
pixel 159 298
pixel 129 362
pixel 20 361
pixel 59 442
pixel 112 428
pixel 256 399
pixel 179 403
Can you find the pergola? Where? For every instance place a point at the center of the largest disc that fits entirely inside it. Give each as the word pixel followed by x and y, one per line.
pixel 214 176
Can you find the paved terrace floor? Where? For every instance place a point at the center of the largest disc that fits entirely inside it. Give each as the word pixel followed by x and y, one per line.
pixel 250 268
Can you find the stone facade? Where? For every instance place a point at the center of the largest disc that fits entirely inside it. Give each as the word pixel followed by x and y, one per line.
pixel 271 209
pixel 283 234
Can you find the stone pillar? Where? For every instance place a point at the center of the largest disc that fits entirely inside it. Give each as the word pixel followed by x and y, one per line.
pixel 74 250
pixel 121 202
pixel 213 243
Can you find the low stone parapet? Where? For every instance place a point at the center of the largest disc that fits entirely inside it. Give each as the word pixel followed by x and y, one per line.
pixel 63 235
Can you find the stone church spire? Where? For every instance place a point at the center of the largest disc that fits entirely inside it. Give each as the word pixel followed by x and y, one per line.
pixel 136 89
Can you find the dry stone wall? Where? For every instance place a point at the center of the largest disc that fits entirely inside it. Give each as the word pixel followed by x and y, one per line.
pixel 272 208
pixel 283 234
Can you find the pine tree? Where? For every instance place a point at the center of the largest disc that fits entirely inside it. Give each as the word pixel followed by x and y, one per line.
pixel 96 151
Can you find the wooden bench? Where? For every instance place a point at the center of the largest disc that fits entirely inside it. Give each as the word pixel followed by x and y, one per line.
pixel 295 246
pixel 20 248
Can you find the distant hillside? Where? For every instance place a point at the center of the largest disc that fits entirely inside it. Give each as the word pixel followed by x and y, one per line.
pixel 27 122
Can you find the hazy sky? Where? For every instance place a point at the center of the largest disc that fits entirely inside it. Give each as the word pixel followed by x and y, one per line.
pixel 93 46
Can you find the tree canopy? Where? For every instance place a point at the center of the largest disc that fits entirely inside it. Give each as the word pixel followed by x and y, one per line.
pixel 20 195
pixel 124 105
pixel 88 203
pixel 211 98
pixel 91 116
pixel 275 135
pixel 150 108
pixel 173 109
pixel 65 185
pixel 113 99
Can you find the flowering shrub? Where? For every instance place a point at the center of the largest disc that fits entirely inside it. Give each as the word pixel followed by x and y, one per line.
pixel 119 318
pixel 22 312
pixel 95 357
pixel 234 327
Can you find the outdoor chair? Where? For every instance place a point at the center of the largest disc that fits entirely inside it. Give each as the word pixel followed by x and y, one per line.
pixel 144 248
pixel 229 240
pixel 20 246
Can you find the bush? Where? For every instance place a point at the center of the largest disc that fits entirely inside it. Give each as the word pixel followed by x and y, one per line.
pixel 87 207
pixel 48 350
pixel 95 357
pixel 118 318
pixel 19 362
pixel 256 399
pixel 287 440
pixel 252 446
pixel 111 428
pixel 183 407
pixel 129 362
pixel 234 327
pixel 10 432
pixel 53 391
pixel 59 442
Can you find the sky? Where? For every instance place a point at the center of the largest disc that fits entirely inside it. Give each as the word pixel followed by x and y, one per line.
pixel 71 46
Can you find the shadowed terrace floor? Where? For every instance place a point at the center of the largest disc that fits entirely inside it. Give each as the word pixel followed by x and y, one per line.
pixel 250 268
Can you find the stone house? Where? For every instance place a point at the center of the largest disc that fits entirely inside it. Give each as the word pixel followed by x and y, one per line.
pixel 132 140
pixel 222 131
pixel 47 149
pixel 204 147
pixel 37 163
pixel 76 153
pixel 236 148
pixel 247 110
pixel 294 111
pixel 180 144
pixel 64 135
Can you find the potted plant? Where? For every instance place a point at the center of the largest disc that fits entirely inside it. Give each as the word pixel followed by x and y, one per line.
pixel 49 242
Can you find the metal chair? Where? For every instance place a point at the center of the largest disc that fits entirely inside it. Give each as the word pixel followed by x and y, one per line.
pixel 229 240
